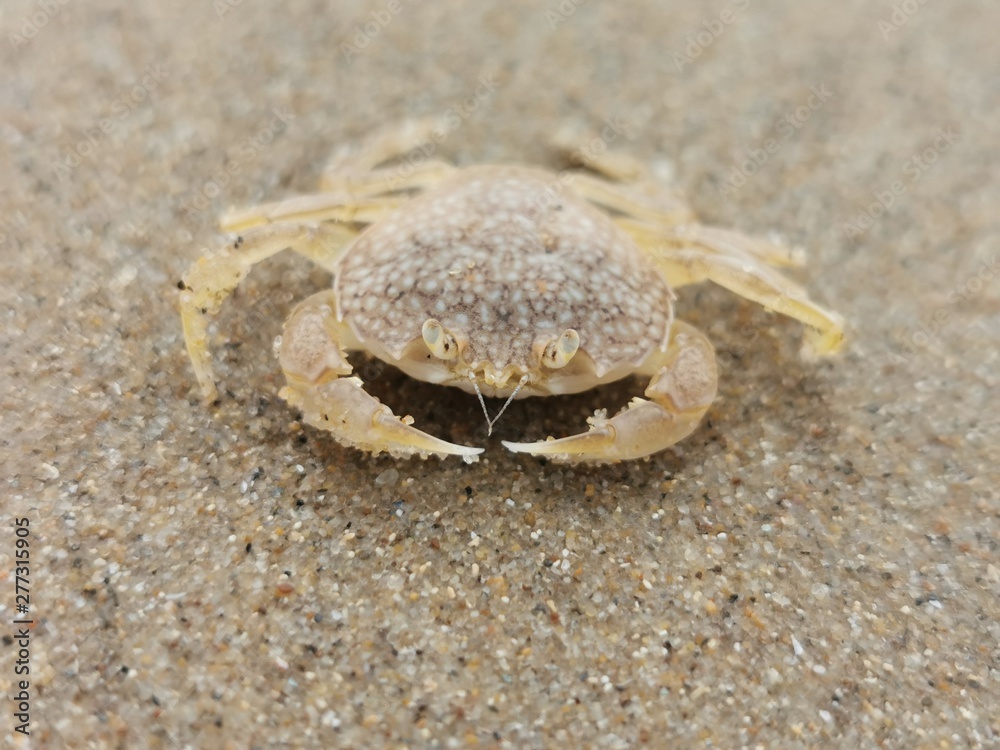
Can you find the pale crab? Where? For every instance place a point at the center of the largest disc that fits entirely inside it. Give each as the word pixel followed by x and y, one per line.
pixel 504 281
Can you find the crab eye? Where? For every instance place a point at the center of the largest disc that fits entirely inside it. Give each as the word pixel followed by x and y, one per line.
pixel 441 343
pixel 560 351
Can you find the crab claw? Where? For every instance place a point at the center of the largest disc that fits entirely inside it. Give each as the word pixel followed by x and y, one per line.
pixel 356 418
pixel 682 389
pixel 317 371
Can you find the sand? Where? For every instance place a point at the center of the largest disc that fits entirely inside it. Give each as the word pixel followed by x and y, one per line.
pixel 815 567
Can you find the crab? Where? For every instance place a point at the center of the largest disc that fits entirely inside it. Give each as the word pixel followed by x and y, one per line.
pixel 505 281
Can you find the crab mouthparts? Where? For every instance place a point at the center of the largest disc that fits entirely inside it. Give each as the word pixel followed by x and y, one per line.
pixel 482 402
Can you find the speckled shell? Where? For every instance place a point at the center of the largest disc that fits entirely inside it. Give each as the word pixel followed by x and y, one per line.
pixel 504 256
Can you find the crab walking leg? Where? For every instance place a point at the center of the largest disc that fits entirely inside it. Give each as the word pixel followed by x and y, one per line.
pixel 315 208
pixel 353 189
pixel 652 213
pixel 621 183
pixel 385 180
pixel 640 200
pixel 682 388
pixel 756 281
pixel 316 368
pixel 382 145
pixel 578 147
pixel 209 281
pixel 713 240
pixel 354 169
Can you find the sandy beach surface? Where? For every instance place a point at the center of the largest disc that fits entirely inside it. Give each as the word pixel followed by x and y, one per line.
pixel 815 567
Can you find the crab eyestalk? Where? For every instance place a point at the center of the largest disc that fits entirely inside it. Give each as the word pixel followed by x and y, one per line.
pixel 560 351
pixel 439 340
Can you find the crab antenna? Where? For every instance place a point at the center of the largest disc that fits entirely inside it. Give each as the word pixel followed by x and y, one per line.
pixel 524 379
pixel 489 425
pixel 482 403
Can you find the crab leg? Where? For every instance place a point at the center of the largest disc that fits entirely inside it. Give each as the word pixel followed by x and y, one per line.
pixel 354 188
pixel 682 388
pixel 655 215
pixel 316 368
pixel 341 207
pixel 713 240
pixel 383 181
pixel 619 182
pixel 641 200
pixel 355 170
pixel 209 281
pixel 687 252
pixel 575 145
pixel 753 280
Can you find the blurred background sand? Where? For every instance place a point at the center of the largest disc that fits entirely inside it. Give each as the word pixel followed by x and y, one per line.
pixel 815 567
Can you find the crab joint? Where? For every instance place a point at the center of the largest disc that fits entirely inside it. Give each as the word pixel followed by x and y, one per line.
pixel 558 352
pixel 441 343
